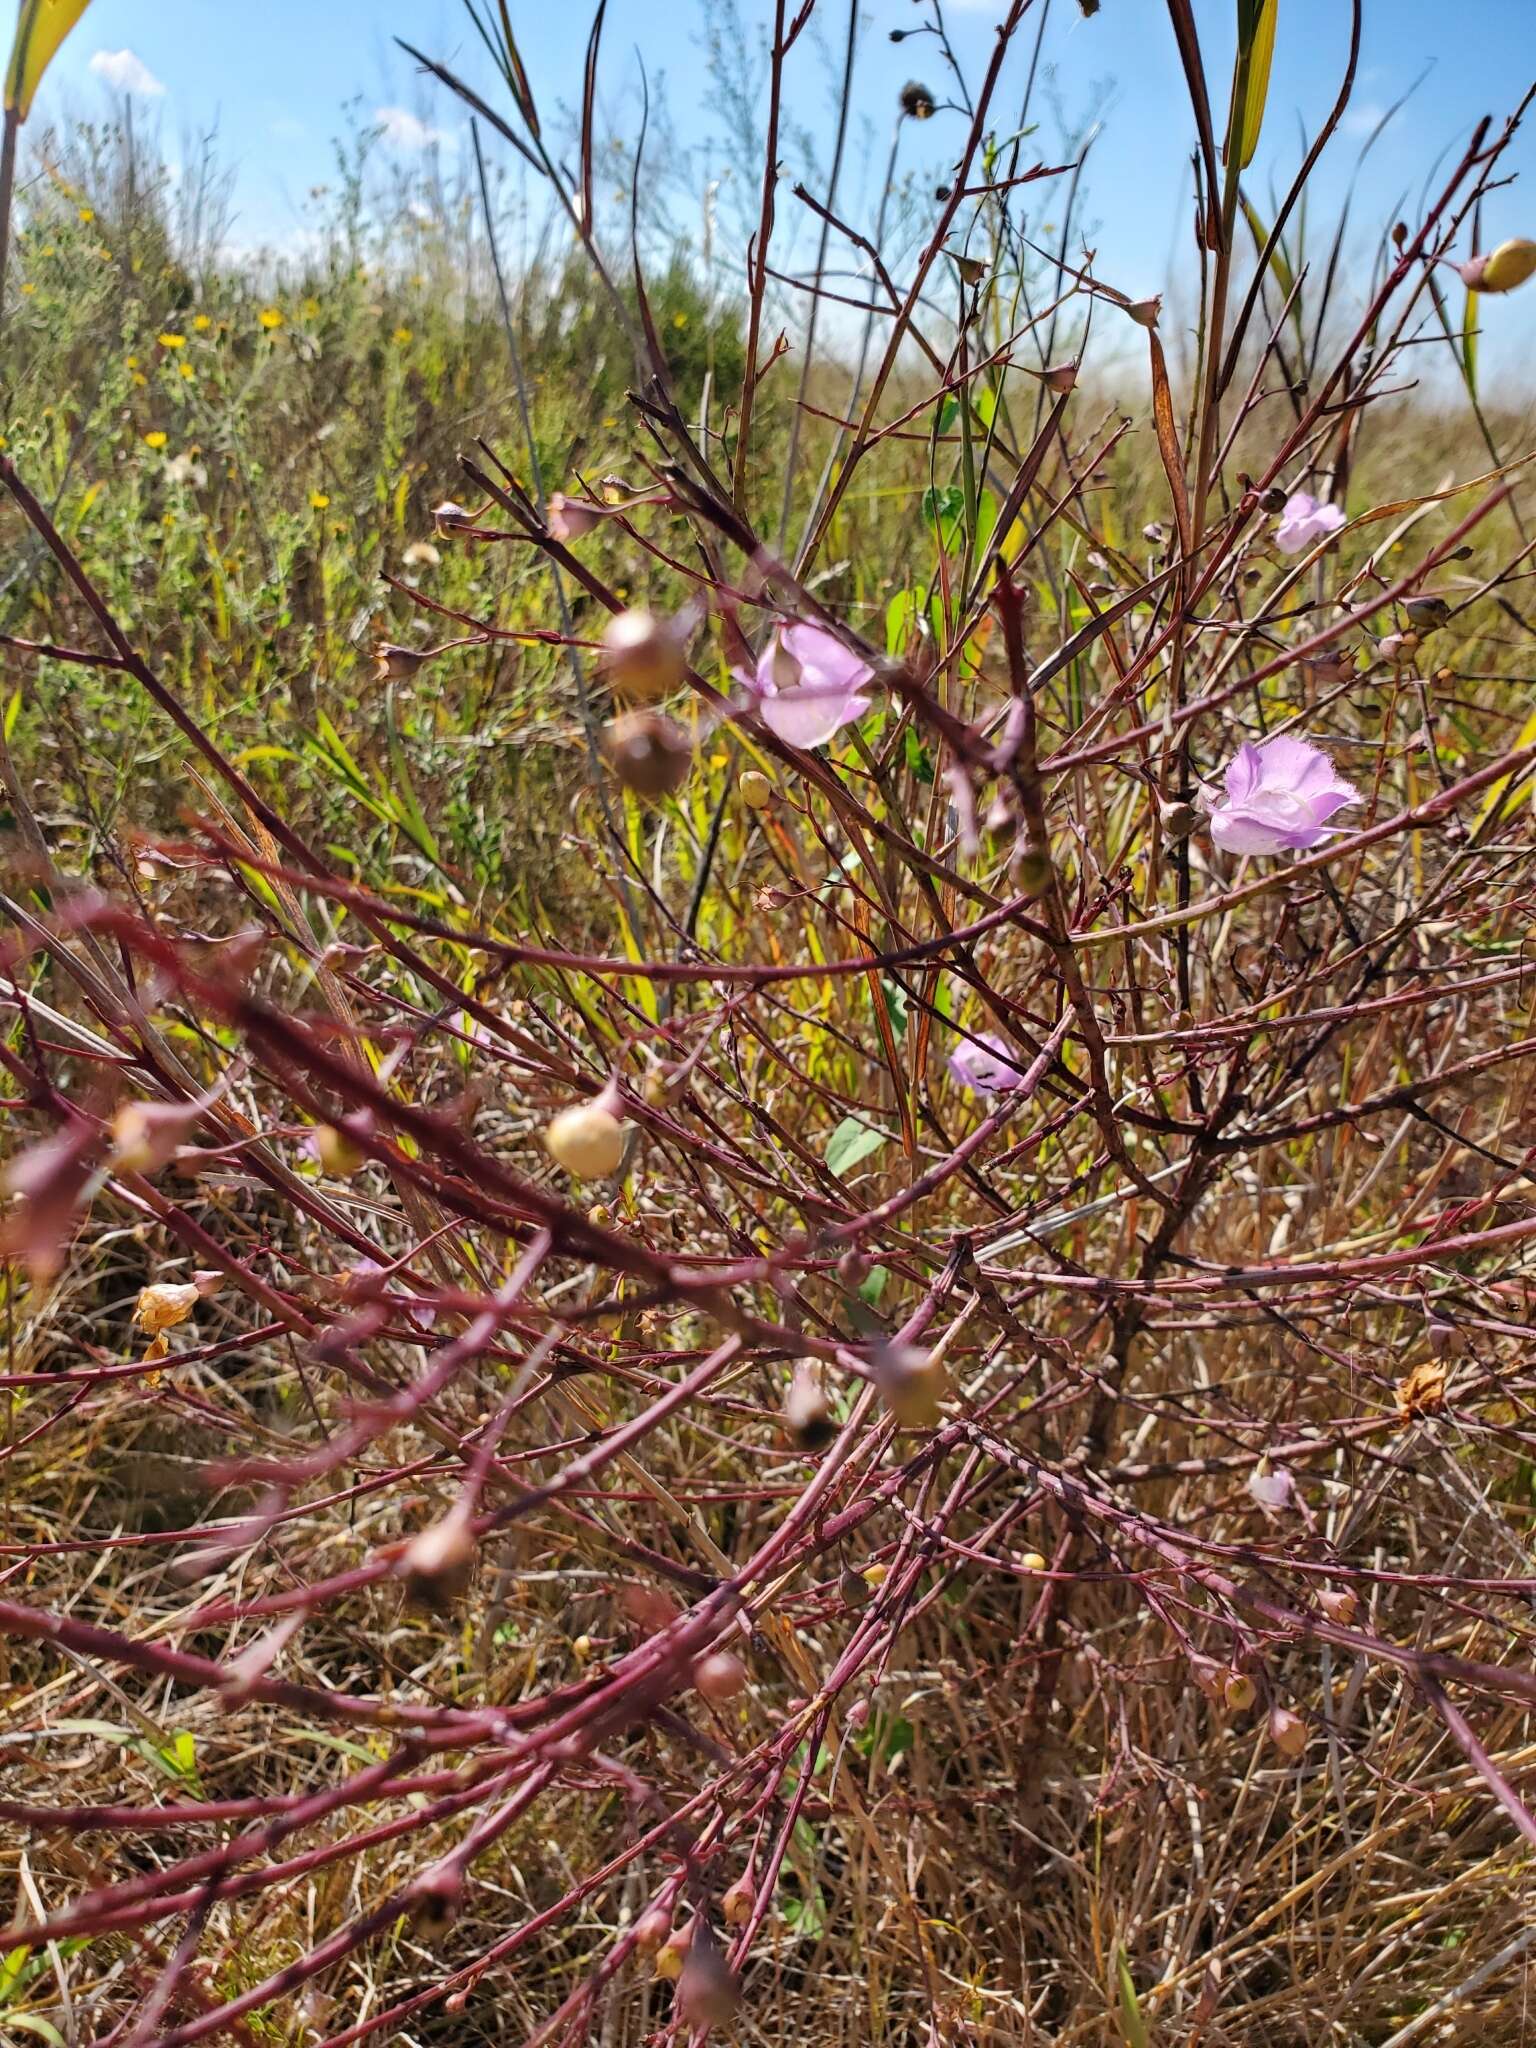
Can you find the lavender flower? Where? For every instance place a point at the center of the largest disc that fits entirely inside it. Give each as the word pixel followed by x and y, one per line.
pixel 808 685
pixel 984 1065
pixel 1305 520
pixel 1279 798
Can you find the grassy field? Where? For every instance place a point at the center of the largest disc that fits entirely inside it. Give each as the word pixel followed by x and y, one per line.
pixel 988 1496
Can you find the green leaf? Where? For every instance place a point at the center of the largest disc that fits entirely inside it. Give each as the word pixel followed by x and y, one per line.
pixel 34 2023
pixel 1255 49
pixel 944 510
pixel 918 758
pixel 894 996
pixel 1469 344
pixel 872 1286
pixel 1132 2025
pixel 852 1141
pixel 901 615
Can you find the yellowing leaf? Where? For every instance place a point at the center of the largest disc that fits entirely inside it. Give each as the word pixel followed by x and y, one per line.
pixel 1255 48
pixel 40 28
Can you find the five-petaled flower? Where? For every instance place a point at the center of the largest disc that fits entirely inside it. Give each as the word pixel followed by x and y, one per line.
pixel 808 685
pixel 1278 798
pixel 984 1065
pixel 1304 521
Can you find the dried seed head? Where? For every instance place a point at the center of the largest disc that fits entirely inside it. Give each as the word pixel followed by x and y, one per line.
pixel 642 656
pixel 437 1562
pixel 649 752
pixel 853 1586
pixel 1145 312
pixel 1427 612
pixel 1177 818
pixel 449 518
pixel 807 1412
pixel 754 789
pixel 1287 1731
pixel 587 1140
pixel 436 1898
pixel 720 1676
pixel 917 101
pixel 738 1902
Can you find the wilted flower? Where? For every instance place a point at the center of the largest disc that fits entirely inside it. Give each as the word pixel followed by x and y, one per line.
pixel 809 684
pixel 46 1184
pixel 395 664
pixel 984 1065
pixel 421 555
pixel 1508 265
pixel 450 518
pixel 186 469
pixel 165 1304
pixel 1279 798
pixel 649 752
pixel 917 101
pixel 1304 521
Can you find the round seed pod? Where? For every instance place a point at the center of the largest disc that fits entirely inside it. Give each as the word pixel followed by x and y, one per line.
pixel 707 1993
pixel 649 752
pixel 754 789
pixel 652 1931
pixel 1340 1606
pixel 1238 1691
pixel 436 1564
pixel 913 1382
pixel 673 1953
pixel 642 656
pixel 587 1140
pixel 738 1902
pixel 719 1675
pixel 1032 1561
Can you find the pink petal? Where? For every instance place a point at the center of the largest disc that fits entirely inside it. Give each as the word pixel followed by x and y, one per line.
pixel 1244 773
pixel 826 661
pixel 809 718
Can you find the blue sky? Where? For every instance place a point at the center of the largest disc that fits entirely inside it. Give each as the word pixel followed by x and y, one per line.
pixel 280 80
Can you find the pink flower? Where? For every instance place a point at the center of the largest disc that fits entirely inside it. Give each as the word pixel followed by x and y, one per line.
pixel 985 1065
pixel 1304 521
pixel 808 685
pixel 1279 798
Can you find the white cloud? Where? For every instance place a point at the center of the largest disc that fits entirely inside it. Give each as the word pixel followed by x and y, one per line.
pixel 128 73
pixel 405 130
pixel 1361 120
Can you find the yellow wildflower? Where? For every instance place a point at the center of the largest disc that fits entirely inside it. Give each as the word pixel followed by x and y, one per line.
pixel 271 318
pixel 155 439
pixel 172 340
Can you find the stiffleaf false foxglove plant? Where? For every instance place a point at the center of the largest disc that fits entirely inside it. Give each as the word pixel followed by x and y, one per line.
pixel 1278 798
pixel 808 685
pixel 1304 521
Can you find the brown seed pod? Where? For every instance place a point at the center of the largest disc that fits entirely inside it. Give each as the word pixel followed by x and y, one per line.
pixel 648 752
pixel 719 1675
pixel 807 1412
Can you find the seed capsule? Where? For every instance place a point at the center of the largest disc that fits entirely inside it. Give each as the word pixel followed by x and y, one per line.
pixel 913 1382
pixel 1341 1606
pixel 1238 1691
pixel 738 1902
pixel 652 1930
pixel 642 656
pixel 587 1140
pixel 754 789
pixel 1287 1731
pixel 707 1994
pixel 720 1676
pixel 436 1564
pixel 649 752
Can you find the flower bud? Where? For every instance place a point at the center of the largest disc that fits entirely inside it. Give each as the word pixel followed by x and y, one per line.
pixel 807 1412
pixel 1145 311
pixel 673 1953
pixel 571 518
pixel 1238 1691
pixel 1427 612
pixel 1508 265
pixel 449 518
pixel 1339 1606
pixel 394 664
pixel 642 656
pixel 1032 1561
pixel 1287 1731
pixel 754 789
pixel 738 1902
pixel 719 1676
pixel 913 1382
pixel 652 1930
pixel 649 752
pixel 587 1140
